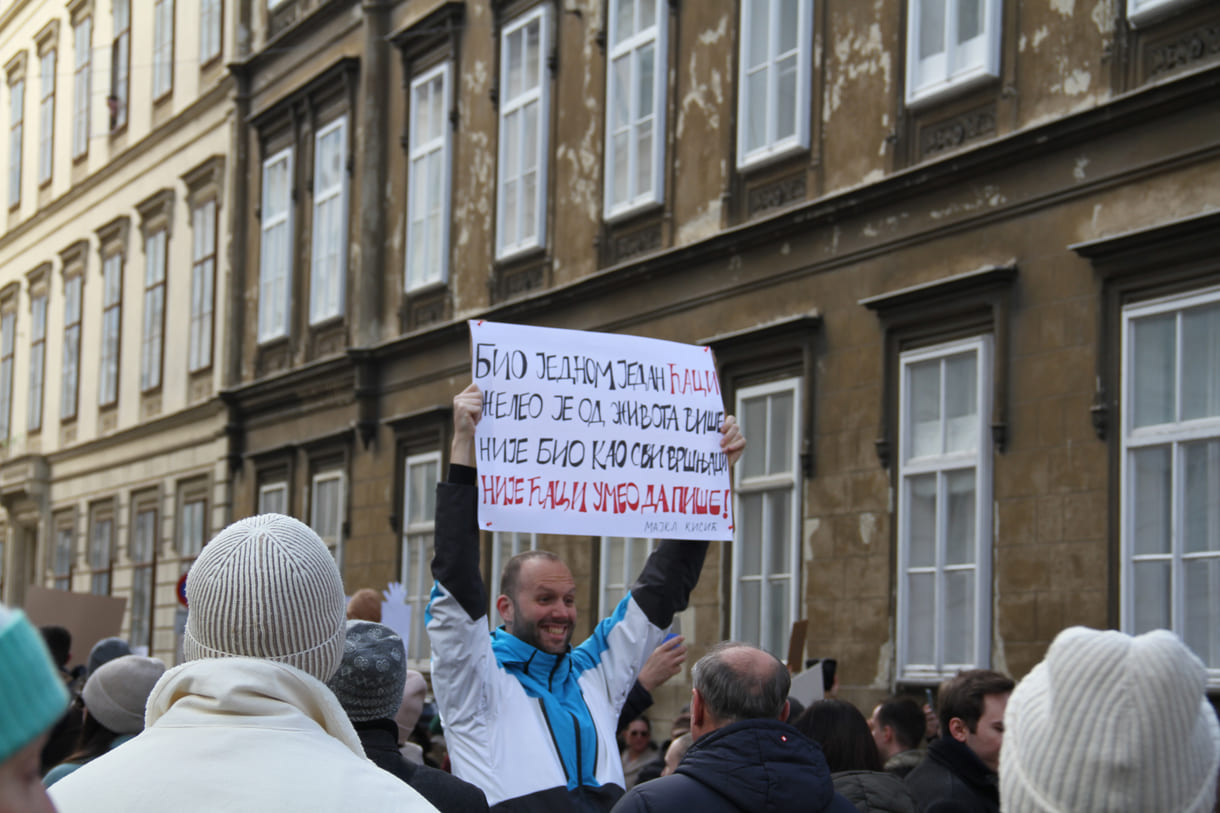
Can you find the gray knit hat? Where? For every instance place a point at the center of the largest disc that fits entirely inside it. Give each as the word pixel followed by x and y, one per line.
pixel 1111 723
pixel 370 678
pixel 104 651
pixel 266 587
pixel 115 695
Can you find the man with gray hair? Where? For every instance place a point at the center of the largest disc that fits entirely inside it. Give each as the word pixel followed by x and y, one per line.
pixel 744 756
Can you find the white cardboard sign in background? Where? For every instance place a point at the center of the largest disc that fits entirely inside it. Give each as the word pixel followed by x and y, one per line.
pixel 598 434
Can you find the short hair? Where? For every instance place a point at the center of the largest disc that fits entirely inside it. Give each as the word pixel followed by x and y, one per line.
pixel 906 718
pixel 731 692
pixel 962 696
pixel 512 570
pixel 59 641
pixel 841 730
pixel 365 605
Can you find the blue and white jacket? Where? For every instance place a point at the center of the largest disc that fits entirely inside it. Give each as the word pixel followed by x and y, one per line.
pixel 536 731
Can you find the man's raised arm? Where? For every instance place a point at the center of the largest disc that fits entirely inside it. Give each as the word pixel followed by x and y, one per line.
pixel 455 564
pixel 671 572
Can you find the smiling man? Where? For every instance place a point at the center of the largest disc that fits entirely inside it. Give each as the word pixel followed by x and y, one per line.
pixel 529 718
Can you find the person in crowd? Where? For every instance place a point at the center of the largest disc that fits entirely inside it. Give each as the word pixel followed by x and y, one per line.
pixel 639 751
pixel 743 755
pixel 32 698
pixel 66 731
pixel 674 753
pixel 365 605
pixel 104 651
pixel 898 726
pixel 851 755
pixel 1110 723
pixel 369 686
pixel 247 723
pixel 664 662
pixel 114 697
pixel 414 691
pixel 959 773
pixel 526 714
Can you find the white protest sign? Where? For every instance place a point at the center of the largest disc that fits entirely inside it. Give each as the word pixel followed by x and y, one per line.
pixel 599 434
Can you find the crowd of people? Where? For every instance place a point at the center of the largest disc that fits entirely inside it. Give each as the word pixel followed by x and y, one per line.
pixel 291 697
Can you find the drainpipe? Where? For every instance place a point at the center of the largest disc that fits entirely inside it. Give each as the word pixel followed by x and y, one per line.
pixel 372 149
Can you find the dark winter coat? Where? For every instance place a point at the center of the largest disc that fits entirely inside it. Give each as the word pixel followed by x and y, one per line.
pixel 759 766
pixel 953 778
pixel 904 762
pixel 445 792
pixel 875 792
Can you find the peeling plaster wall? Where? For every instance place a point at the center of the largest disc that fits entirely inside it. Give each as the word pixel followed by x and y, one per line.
pixel 1061 57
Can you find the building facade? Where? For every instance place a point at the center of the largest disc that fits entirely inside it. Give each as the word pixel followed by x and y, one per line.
pixel 957 262
pixel 113 469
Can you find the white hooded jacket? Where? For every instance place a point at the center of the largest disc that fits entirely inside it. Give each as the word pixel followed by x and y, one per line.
pixel 234 735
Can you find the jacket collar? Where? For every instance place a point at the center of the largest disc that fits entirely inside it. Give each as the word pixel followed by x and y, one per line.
pixel 248 691
pixel 958 758
pixel 512 652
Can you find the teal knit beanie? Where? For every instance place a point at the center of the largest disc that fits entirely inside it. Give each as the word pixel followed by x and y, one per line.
pixel 32 697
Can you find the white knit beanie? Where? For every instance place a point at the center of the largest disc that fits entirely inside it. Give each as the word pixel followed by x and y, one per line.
pixel 266 587
pixel 1108 722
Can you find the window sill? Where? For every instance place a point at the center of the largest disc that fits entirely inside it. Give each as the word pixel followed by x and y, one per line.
pixel 626 213
pixel 769 156
pixel 947 89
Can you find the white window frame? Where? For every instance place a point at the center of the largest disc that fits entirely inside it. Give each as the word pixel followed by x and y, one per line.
pixel 163 49
pixel 518 542
pixel 203 285
pixel 1173 434
pixel 192 526
pixel 38 360
pixel 275 284
pixel 958 67
pixel 745 486
pixel 82 37
pixel 1143 12
pixel 333 537
pixel 775 147
pixel 210 31
pixel 120 62
pixel 152 346
pixel 328 263
pixel 656 35
pixel 112 325
pixel 980 460
pixel 16 138
pixel 423 199
pixel 46 116
pixel 419 560
pixel 511 239
pixel 265 493
pixel 143 613
pixel 8 355
pixel 622 580
pixel 69 379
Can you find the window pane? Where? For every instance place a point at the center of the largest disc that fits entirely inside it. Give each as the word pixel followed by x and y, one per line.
pixel 959 533
pixel 624 22
pixel 959 617
pixel 789 24
pixel 759 24
pixel 921 626
pixel 1151 600
pixel 922 513
pixel 645 80
pixel 779 625
pixel 931 27
pixel 961 403
pixel 533 34
pixel 1201 597
pixel 620 109
pixel 1201 510
pixel 779 508
pixel 1201 362
pixel 749 611
pixel 643 165
pixel 648 14
pixel 785 99
pixel 780 434
pixel 751 534
pixel 754 459
pixel 1152 374
pixel 969 19
pixel 1150 498
pixel 756 109
pixel 924 379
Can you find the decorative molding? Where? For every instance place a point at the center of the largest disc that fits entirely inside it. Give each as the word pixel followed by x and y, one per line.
pixel 425 309
pixel 14 71
pixel 1181 51
pixel 38 279
pixel 156 212
pixel 205 181
pixel 48 38
pixel 776 195
pixel 957 131
pixel 635 243
pixel 112 237
pixel 515 280
pixel 74 258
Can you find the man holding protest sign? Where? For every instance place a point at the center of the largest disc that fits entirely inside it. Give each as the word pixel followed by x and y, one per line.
pixel 529 718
